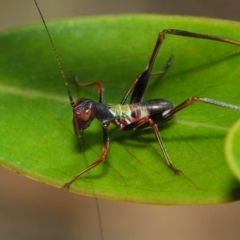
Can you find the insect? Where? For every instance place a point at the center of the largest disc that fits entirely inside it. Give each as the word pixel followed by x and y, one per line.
pixel 138 114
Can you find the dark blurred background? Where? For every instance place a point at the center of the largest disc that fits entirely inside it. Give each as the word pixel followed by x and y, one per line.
pixel 32 210
pixel 16 13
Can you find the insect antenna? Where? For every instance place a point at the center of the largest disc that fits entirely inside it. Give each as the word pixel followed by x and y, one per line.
pixel 56 56
pixel 72 104
pixel 92 186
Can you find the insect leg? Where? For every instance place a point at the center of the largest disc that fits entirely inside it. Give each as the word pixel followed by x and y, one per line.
pixel 99 86
pixel 96 163
pixel 140 83
pixel 160 142
pixel 191 100
pixel 165 68
pixel 139 80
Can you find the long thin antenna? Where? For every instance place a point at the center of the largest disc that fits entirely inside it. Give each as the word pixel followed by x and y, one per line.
pixel 56 56
pixel 96 200
pixel 72 104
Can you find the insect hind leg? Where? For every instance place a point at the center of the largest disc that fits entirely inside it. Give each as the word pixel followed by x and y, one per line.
pixel 139 85
pixel 170 112
pixel 192 100
pixel 165 68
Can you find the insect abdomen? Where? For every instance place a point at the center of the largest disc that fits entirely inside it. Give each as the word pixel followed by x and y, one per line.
pixel 149 108
pixel 127 117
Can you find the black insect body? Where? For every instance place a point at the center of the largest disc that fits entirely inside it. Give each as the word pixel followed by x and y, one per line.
pixel 137 114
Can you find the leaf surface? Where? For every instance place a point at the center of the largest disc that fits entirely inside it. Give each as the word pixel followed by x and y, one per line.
pixel 37 138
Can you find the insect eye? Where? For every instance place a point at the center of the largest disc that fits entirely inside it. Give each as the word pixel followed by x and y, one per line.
pixel 86 114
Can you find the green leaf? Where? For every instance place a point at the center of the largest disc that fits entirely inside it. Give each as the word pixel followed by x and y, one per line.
pixel 232 149
pixel 37 138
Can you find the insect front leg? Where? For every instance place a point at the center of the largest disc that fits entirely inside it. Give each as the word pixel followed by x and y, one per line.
pixel 96 163
pixel 99 86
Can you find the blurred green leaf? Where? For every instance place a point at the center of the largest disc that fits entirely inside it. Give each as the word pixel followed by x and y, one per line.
pixel 232 149
pixel 37 138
